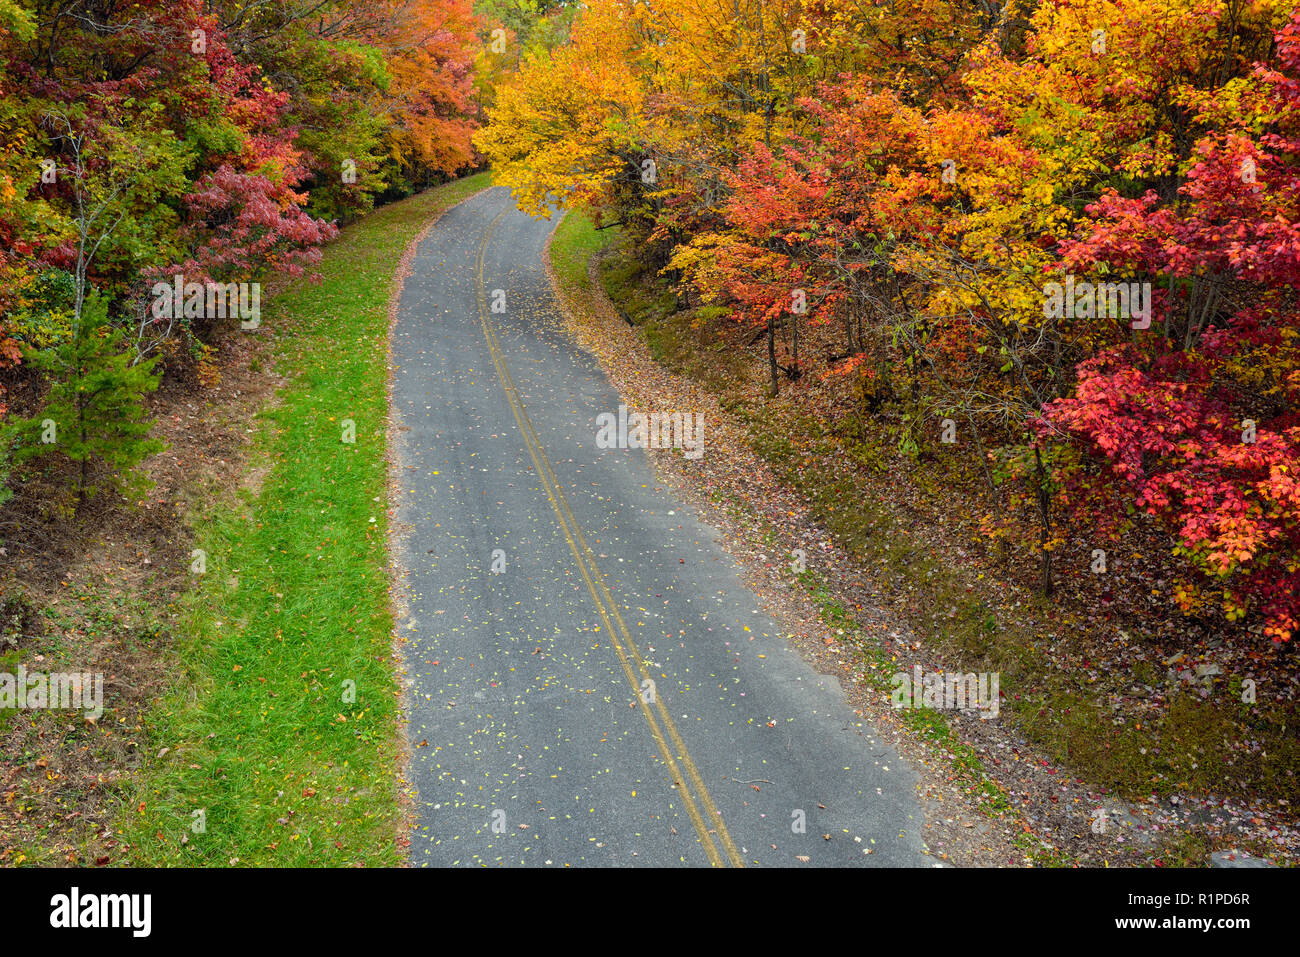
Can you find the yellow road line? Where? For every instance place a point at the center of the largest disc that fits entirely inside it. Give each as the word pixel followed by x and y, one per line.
pixel 604 600
pixel 669 724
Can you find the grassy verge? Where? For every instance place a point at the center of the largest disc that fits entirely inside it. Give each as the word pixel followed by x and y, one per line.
pixel 280 743
pixel 575 241
pixel 1186 745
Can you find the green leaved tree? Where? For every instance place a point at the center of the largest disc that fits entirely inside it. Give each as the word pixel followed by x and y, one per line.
pixel 94 412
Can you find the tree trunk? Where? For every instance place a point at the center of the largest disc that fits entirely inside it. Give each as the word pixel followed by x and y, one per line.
pixel 85 458
pixel 771 356
pixel 1000 549
pixel 1045 526
pixel 794 345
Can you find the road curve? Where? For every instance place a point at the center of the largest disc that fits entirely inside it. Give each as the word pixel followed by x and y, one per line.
pixel 589 681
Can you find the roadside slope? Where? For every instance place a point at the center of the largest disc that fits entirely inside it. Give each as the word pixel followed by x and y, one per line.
pixel 280 743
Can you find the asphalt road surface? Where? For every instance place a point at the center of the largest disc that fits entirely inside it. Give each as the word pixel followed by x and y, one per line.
pixel 590 682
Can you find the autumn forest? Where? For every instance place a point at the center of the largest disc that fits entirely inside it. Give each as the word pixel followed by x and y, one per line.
pixel 1011 287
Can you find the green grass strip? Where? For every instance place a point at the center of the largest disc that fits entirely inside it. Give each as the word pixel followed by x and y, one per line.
pixel 575 241
pixel 270 759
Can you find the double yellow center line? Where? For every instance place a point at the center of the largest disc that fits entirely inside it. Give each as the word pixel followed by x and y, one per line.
pixel 708 824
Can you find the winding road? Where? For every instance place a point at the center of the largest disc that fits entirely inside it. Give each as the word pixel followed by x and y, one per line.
pixel 590 683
